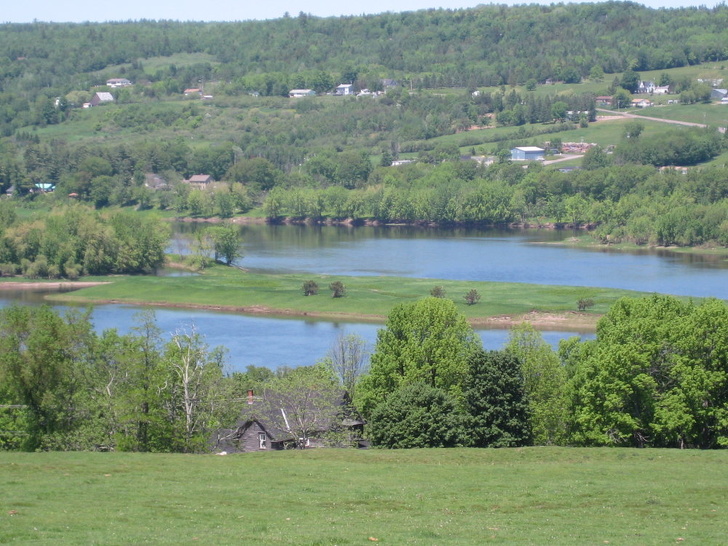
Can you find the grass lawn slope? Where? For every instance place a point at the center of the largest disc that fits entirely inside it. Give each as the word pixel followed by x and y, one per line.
pixel 367 298
pixel 327 497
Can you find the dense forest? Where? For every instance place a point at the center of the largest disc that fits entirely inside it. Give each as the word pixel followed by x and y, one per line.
pixel 483 46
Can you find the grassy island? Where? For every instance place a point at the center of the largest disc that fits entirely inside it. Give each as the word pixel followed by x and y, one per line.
pixel 367 298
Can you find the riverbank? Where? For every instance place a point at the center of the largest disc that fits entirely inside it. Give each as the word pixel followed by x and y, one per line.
pixel 709 252
pixel 367 299
pixel 49 285
pixel 358 222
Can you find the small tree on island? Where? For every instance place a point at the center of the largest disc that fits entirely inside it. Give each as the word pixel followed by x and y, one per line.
pixel 310 288
pixel 437 292
pixel 472 297
pixel 338 289
pixel 585 303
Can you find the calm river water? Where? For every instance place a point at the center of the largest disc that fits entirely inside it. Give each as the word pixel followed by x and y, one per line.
pixel 488 255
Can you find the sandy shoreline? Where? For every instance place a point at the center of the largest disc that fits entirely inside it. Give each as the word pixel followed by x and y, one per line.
pixel 568 321
pixel 61 285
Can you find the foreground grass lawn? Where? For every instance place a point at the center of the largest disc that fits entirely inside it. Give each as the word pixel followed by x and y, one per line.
pixel 456 496
pixel 367 298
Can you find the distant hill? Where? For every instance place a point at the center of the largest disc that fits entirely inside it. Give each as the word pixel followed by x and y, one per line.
pixel 471 47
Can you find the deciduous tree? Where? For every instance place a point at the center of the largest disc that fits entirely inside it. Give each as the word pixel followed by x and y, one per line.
pixel 495 401
pixel 416 415
pixel 544 383
pixel 426 341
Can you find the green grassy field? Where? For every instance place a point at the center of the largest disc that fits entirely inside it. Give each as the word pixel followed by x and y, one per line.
pixel 367 298
pixel 327 497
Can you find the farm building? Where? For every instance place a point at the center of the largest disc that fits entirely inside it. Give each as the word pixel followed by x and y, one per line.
pixel 527 153
pixel 101 97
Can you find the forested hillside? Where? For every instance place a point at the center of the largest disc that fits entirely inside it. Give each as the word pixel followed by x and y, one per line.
pixel 483 46
pixel 449 91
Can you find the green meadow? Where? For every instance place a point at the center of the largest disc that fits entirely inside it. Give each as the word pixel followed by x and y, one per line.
pixel 367 298
pixel 328 497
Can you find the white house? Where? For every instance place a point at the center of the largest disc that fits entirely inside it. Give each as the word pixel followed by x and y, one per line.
pixel 527 153
pixel 641 103
pixel 298 93
pixel 118 82
pixel 344 89
pixel 646 87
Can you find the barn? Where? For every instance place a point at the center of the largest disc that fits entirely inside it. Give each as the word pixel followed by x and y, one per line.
pixel 527 153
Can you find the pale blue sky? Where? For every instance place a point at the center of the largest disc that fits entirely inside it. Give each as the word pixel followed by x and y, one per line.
pixel 24 11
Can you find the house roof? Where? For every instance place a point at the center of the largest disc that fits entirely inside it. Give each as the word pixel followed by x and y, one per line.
pixel 200 178
pixel 529 148
pixel 274 433
pixel 104 96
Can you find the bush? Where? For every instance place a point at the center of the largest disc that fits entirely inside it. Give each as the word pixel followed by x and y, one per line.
pixel 338 289
pixel 585 303
pixel 310 288
pixel 437 292
pixel 472 297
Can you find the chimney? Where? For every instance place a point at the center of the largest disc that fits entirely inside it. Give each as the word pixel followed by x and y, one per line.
pixel 250 396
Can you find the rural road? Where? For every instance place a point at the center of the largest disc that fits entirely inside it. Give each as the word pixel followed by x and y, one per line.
pixel 562 158
pixel 636 116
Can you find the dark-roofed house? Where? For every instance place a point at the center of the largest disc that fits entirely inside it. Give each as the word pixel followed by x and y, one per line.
pixel 252 435
pixel 266 427
pixel 200 180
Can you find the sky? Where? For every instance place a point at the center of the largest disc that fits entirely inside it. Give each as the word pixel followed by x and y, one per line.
pixel 26 11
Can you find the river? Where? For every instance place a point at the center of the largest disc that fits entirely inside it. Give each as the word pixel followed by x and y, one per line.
pixel 532 257
pixel 489 255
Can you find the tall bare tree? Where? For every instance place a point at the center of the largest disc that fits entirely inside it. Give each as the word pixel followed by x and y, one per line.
pixel 349 360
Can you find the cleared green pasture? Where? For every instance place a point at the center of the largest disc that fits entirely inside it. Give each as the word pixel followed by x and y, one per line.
pixel 366 297
pixel 713 114
pixel 327 497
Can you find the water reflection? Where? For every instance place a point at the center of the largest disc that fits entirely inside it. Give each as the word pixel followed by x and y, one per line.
pixel 250 340
pixel 472 254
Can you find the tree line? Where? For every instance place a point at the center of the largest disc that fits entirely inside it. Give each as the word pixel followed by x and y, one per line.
pixel 76 240
pixel 654 376
pixel 482 46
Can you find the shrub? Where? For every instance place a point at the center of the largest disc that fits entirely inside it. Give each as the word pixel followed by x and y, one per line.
pixel 338 289
pixel 585 303
pixel 437 292
pixel 472 297
pixel 310 288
